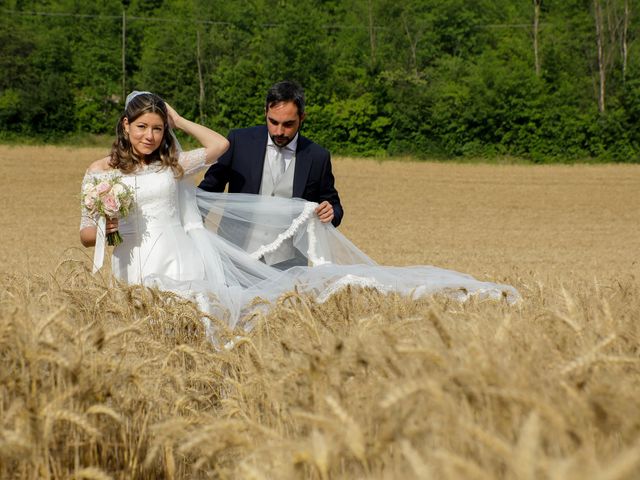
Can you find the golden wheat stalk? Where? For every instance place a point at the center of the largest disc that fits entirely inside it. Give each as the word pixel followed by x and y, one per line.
pixel 99 409
pixel 418 465
pixel 320 453
pixel 524 460
pixel 409 388
pixel 532 400
pixel 54 416
pixel 588 358
pixel 91 473
pixel 41 326
pixel 499 446
pixel 470 469
pixel 625 464
pixel 353 435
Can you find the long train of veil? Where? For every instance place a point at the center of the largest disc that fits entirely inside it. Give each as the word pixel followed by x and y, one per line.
pixel 235 233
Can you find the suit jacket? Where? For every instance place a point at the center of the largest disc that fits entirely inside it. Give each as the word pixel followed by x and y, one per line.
pixel 242 164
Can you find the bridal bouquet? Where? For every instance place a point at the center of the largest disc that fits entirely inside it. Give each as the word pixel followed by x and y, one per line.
pixel 108 198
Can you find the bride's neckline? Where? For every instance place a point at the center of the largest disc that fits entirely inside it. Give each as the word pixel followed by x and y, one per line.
pixel 146 169
pixel 142 169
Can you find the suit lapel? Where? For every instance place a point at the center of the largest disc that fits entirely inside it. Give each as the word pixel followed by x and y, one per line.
pixel 302 167
pixel 256 160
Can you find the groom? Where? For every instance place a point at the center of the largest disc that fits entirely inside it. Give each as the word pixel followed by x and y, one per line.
pixel 274 159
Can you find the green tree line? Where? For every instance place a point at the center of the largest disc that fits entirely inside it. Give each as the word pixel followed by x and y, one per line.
pixel 549 80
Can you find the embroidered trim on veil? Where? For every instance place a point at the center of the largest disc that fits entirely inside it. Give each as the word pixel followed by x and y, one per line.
pixel 299 221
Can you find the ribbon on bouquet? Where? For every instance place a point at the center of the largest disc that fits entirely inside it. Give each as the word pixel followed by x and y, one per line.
pixel 98 252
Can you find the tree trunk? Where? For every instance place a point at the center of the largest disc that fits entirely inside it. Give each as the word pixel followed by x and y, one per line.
pixel 536 26
pixel 413 44
pixel 372 34
pixel 200 78
pixel 124 57
pixel 625 39
pixel 602 71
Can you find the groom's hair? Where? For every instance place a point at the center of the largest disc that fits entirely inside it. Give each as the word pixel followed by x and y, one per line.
pixel 286 91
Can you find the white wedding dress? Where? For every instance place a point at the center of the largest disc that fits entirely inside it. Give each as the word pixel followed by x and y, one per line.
pixel 210 247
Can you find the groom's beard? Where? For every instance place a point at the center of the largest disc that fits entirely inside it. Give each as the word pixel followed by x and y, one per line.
pixel 283 140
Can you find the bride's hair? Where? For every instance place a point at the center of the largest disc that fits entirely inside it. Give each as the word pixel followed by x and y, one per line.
pixel 124 157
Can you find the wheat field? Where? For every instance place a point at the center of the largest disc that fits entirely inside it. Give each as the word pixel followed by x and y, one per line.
pixel 104 381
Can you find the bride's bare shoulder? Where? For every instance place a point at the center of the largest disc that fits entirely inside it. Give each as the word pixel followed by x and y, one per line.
pixel 100 166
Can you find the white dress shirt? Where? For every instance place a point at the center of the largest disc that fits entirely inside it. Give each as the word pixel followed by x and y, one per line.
pixel 288 152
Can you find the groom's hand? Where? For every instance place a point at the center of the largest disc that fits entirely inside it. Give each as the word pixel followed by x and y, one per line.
pixel 325 212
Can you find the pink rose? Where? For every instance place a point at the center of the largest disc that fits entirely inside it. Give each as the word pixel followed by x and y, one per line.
pixel 103 187
pixel 111 205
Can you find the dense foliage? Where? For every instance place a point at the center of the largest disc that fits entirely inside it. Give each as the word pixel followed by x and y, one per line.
pixel 543 79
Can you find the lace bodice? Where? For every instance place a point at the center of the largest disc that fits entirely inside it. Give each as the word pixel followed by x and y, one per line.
pixel 156 202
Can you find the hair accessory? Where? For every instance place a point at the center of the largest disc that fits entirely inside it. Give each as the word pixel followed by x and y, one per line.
pixel 133 95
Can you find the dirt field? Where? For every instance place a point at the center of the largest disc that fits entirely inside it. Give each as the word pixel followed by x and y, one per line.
pixel 493 221
pixel 101 381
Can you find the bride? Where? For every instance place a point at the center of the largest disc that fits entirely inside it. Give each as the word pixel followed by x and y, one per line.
pixel 194 243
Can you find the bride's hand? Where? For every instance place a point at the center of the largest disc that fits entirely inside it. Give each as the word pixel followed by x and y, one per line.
pixel 112 225
pixel 174 118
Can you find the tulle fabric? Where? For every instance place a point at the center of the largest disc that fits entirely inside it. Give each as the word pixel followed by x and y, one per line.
pixel 235 232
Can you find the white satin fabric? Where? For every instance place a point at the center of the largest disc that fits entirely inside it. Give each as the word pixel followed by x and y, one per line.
pixel 209 247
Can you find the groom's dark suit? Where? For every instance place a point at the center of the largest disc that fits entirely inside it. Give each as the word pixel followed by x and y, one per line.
pixel 242 165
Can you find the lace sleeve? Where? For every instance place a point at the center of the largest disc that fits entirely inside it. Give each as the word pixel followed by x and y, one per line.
pixel 86 219
pixel 193 161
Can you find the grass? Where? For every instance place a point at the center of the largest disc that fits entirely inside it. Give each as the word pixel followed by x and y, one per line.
pixel 106 381
pixel 83 139
pixel 80 140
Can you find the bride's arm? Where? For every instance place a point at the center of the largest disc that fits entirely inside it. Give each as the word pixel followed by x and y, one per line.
pixel 213 143
pixel 89 231
pixel 88 236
